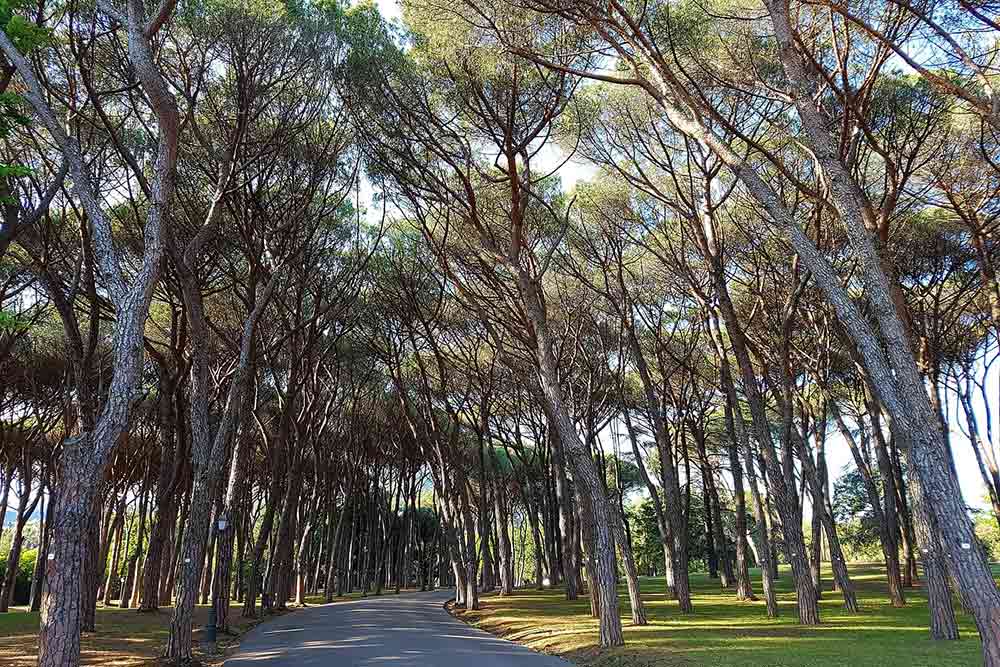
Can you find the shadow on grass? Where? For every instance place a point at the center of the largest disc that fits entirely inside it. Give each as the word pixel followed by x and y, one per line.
pixel 725 632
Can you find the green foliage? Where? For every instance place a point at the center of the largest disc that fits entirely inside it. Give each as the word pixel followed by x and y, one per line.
pixel 856 525
pixel 645 537
pixel 23 34
pixel 9 321
pixel 11 116
pixel 26 37
pixel 31 538
pixel 988 533
pixel 22 584
pixel 373 42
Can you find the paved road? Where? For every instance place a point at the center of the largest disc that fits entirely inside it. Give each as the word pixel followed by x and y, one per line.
pixel 396 630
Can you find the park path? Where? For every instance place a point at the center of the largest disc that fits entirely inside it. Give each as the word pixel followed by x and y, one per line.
pixel 404 630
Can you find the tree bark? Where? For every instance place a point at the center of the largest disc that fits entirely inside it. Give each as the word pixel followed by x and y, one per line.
pixel 585 473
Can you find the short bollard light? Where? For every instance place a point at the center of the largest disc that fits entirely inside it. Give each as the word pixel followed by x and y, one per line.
pixel 210 632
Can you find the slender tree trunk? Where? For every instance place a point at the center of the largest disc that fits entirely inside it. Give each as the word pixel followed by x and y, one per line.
pixel 531 512
pixel 675 521
pixel 38 574
pixel 943 625
pixel 814 473
pixel 334 568
pixel 230 518
pixel 168 479
pixel 727 576
pixel 569 565
pixel 92 574
pixel 737 431
pixel 13 563
pixel 133 564
pixel 585 475
pixel 785 498
pixel 631 572
pixel 506 551
pixel 884 506
pixel 8 480
pixel 113 577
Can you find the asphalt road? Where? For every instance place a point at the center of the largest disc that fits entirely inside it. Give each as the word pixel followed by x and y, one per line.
pixel 398 630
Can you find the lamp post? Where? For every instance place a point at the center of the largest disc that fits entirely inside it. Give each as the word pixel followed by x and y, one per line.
pixel 211 632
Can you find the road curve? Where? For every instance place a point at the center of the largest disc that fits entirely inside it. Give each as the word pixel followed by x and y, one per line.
pixel 398 630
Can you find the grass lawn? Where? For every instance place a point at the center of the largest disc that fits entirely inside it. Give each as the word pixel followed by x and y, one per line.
pixel 724 632
pixel 124 637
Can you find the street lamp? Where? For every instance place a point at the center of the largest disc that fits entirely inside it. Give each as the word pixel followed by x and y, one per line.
pixel 210 630
pixel 221 524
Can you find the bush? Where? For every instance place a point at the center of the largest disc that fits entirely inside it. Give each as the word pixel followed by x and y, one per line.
pixel 22 584
pixel 989 534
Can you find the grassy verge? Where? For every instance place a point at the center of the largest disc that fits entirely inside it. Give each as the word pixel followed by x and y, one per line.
pixel 726 633
pixel 126 638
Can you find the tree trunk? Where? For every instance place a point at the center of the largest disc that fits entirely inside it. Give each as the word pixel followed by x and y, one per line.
pixel 737 431
pixel 785 498
pixel 168 479
pixel 563 500
pixel 585 473
pixel 13 562
pixel 943 625
pixel 675 521
pixel 92 575
pixel 631 573
pixel 506 551
pixel 72 505
pixel 885 518
pixel 113 577
pixel 38 575
pixel 133 565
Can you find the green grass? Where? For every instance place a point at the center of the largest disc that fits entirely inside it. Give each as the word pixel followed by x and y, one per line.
pixel 18 622
pixel 124 637
pixel 319 598
pixel 726 633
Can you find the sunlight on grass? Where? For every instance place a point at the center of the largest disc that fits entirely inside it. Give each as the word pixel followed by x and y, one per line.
pixel 125 637
pixel 727 633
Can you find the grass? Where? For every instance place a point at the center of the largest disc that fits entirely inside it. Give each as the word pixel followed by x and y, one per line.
pixel 721 632
pixel 725 633
pixel 126 638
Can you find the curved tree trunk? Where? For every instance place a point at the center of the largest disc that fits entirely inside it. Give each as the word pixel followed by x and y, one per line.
pixel 943 625
pixel 631 573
